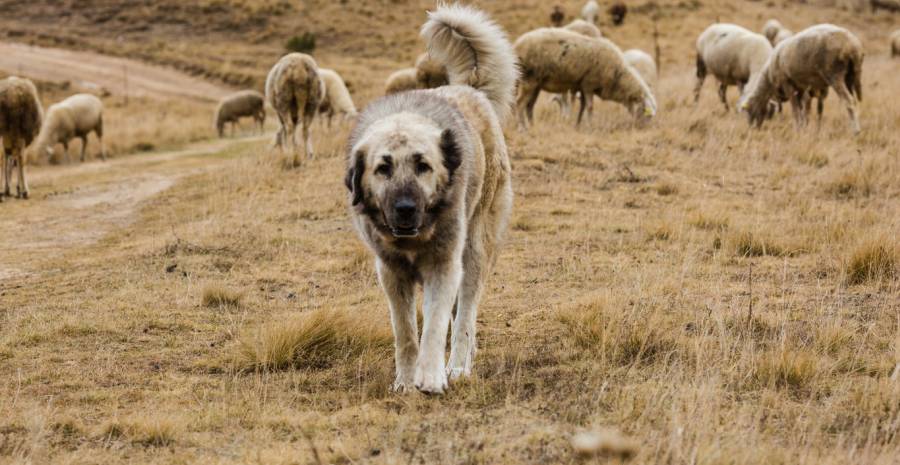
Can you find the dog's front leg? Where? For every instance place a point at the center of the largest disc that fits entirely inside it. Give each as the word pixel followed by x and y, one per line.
pixel 400 287
pixel 441 287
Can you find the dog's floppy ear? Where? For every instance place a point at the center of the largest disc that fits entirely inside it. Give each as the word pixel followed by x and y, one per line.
pixel 353 180
pixel 451 151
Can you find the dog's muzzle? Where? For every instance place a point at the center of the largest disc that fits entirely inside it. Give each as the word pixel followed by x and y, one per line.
pixel 405 218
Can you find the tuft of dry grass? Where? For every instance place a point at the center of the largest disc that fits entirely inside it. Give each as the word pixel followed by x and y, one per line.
pixel 756 244
pixel 787 368
pixel 219 296
pixel 317 339
pixel 152 430
pixel 873 260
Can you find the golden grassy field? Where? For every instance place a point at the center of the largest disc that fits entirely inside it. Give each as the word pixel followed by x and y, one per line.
pixel 715 294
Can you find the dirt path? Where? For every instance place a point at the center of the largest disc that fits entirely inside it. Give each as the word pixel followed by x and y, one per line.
pixel 117 75
pixel 74 206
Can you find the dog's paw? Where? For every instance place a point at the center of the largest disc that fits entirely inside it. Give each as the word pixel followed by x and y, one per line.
pixel 455 373
pixel 403 384
pixel 434 382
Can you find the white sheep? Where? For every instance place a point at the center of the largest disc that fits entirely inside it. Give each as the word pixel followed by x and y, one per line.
pixel 20 122
pixel 643 63
pixel 243 104
pixel 401 81
pixel 806 65
pixel 556 60
pixel 732 54
pixel 336 97
pixel 74 118
pixel 895 43
pixel 775 32
pixel 584 28
pixel 294 90
pixel 590 12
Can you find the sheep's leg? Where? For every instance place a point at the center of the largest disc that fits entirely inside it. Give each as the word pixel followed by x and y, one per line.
pixel 582 105
pixel 4 163
pixel 723 96
pixel 530 107
pixel 820 108
pixel 587 104
pixel 525 89
pixel 307 141
pixel 850 102
pixel 701 78
pixel 66 151
pixel 83 146
pixel 22 186
pixel 797 108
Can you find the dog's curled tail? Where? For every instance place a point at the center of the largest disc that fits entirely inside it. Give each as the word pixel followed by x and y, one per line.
pixel 475 51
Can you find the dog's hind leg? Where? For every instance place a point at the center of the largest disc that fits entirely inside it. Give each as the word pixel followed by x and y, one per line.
pixel 400 291
pixel 462 343
pixel 441 283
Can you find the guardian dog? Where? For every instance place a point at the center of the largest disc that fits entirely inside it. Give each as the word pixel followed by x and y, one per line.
pixel 430 193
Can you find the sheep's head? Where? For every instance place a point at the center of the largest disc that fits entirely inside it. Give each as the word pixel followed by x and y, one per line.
pixel 644 110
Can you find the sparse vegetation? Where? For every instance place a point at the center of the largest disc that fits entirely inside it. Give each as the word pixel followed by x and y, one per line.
pixel 305 43
pixel 219 296
pixel 757 325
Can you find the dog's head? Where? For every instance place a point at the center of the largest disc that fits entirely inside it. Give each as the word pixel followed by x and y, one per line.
pixel 400 173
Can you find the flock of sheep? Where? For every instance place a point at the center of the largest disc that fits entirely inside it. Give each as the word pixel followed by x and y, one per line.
pixel 572 61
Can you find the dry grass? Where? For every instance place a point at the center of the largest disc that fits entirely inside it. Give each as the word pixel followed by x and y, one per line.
pixel 316 340
pixel 218 296
pixel 107 354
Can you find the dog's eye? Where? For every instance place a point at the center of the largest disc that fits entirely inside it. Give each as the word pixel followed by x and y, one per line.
pixel 422 168
pixel 384 170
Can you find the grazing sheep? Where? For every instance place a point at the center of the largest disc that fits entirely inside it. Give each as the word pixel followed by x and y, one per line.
pixel 775 32
pixel 556 60
pixel 557 16
pixel 617 13
pixel 895 43
pixel 584 28
pixel 401 81
pixel 336 98
pixel 75 117
pixel 243 104
pixel 430 74
pixel 806 65
pixel 294 90
pixel 590 12
pixel 643 63
pixel 732 54
pixel 20 122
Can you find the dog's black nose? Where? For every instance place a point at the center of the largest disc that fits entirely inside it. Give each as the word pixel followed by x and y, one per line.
pixel 405 208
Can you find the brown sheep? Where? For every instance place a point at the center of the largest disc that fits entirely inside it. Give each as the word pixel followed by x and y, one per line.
pixel 243 104
pixel 557 16
pixel 294 90
pixel 591 66
pixel 21 116
pixel 805 66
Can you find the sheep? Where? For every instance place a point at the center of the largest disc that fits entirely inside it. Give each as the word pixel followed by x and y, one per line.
pixel 806 65
pixel 294 90
pixel 246 103
pixel 643 63
pixel 336 98
pixel 556 60
pixel 401 81
pixel 75 117
pixel 557 16
pixel 21 115
pixel 775 32
pixel 895 43
pixel 732 54
pixel 617 13
pixel 590 12
pixel 430 74
pixel 584 28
